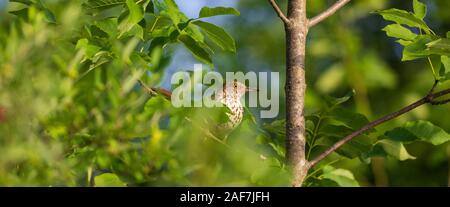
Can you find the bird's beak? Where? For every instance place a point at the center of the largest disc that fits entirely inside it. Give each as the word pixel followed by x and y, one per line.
pixel 248 89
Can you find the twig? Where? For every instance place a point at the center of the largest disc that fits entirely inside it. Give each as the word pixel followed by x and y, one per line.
pixel 429 98
pixel 279 12
pixel 330 11
pixel 433 87
pixel 149 91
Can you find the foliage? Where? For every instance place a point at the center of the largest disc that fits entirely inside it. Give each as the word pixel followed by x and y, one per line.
pixel 72 113
pixel 322 128
pixel 90 123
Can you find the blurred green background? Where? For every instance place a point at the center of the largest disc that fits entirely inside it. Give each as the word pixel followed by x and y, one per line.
pixel 61 126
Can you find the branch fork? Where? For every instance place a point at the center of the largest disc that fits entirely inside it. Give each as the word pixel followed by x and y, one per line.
pixel 297 25
pixel 279 12
pixel 314 20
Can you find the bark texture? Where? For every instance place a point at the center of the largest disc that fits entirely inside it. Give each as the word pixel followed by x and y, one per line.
pixel 296 32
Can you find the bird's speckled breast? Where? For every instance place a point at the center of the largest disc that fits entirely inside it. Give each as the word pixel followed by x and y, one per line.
pixel 236 110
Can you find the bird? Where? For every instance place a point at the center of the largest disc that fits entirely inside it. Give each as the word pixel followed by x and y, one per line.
pixel 230 97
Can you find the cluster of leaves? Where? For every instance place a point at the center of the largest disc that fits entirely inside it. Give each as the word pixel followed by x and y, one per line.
pixel 148 29
pixel 89 122
pixel 426 44
pixel 101 128
pixel 333 122
pixel 27 96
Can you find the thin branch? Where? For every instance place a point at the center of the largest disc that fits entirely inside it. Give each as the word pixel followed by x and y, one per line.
pixel 433 87
pixel 147 89
pixel 279 12
pixel 330 11
pixel 429 98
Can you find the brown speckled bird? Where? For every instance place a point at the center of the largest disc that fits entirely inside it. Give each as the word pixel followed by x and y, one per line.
pixel 230 96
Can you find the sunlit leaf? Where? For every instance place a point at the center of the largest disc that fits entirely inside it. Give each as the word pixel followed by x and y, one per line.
pixel 136 14
pixel 157 103
pixel 398 31
pixel 217 35
pixel 108 180
pixel 108 25
pixel 89 49
pixel 208 12
pixel 439 47
pixel 195 48
pixel 404 17
pixel 26 2
pixel 419 130
pixel 395 149
pixel 417 49
pixel 342 177
pixel 103 4
pixel 445 70
pixel 420 9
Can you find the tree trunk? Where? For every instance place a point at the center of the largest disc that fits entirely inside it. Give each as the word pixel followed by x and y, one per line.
pixel 296 32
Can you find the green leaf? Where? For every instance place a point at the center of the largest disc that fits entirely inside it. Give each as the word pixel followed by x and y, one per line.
pixel 89 49
pixel 208 12
pixel 135 31
pixel 439 47
pixel 157 103
pixel 217 35
pixel 428 132
pixel 108 180
pixel 400 134
pixel 195 48
pixel 136 14
pixel 349 118
pixel 26 2
pixel 342 177
pixel 279 149
pixel 419 130
pixel 50 17
pixel 102 4
pixel 395 149
pixel 21 13
pixel 183 25
pixel 109 26
pixel 332 101
pixel 398 31
pixel 445 70
pixel 404 17
pixel 420 9
pixel 170 8
pixel 404 42
pixel 436 62
pixel 418 48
